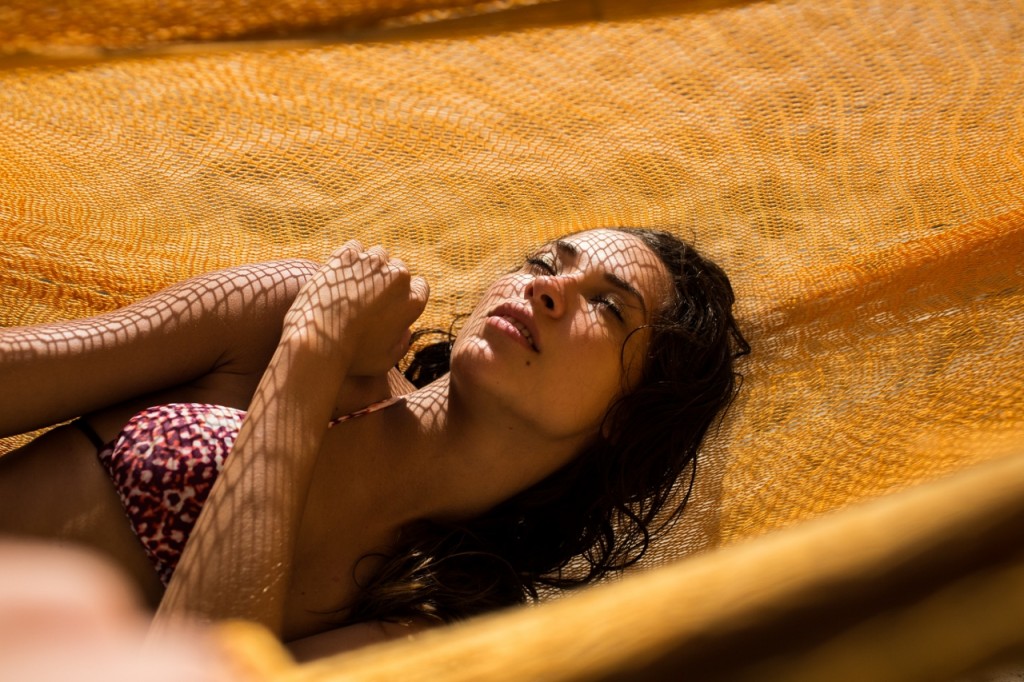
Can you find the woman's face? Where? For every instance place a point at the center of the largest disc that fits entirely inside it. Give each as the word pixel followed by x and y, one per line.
pixel 553 342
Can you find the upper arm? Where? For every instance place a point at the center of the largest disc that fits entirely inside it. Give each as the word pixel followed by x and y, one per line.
pixel 54 372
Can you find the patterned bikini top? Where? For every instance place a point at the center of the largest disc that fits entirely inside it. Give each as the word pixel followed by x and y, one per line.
pixel 164 464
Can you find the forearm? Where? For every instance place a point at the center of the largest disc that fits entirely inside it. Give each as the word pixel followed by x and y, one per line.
pixel 57 371
pixel 351 318
pixel 238 561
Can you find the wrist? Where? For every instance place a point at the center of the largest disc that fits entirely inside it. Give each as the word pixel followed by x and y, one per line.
pixel 308 348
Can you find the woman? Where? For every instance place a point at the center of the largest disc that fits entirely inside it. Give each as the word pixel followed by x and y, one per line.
pixel 579 389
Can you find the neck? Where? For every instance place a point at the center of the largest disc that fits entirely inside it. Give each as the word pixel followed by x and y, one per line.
pixel 462 456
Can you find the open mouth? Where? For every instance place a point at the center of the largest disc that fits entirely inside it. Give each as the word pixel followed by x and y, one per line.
pixel 522 330
pixel 516 319
pixel 517 328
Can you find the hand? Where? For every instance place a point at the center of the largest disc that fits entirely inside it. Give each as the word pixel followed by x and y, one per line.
pixel 361 304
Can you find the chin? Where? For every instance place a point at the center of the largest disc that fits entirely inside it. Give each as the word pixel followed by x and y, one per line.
pixel 481 373
pixel 474 361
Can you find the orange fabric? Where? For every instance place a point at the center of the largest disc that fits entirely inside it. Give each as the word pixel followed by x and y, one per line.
pixel 857 168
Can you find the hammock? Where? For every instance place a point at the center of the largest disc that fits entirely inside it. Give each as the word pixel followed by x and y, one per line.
pixel 856 167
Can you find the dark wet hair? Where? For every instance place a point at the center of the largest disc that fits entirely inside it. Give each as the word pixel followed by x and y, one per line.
pixel 597 513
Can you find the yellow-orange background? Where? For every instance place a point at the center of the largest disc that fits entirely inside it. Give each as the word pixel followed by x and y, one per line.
pixel 857 168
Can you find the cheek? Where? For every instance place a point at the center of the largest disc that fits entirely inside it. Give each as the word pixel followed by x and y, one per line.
pixel 503 288
pixel 598 378
pixel 592 379
pixel 581 410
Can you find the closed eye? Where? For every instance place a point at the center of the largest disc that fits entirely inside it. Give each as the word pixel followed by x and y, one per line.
pixel 542 265
pixel 548 269
pixel 610 305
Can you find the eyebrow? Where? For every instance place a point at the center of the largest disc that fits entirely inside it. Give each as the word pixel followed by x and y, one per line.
pixel 569 250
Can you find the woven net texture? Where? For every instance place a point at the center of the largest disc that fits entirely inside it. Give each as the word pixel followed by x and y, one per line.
pixel 856 167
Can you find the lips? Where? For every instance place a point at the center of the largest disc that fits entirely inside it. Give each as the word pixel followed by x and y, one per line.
pixel 521 318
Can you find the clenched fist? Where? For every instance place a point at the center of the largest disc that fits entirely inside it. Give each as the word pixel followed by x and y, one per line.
pixel 360 304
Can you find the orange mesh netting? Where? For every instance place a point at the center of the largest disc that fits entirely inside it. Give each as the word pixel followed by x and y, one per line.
pixel 857 168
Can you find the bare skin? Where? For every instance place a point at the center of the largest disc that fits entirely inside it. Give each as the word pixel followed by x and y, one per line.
pixel 512 411
pixel 55 487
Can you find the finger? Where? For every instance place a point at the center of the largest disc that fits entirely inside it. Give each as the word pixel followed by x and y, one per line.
pixel 405 343
pixel 419 291
pixel 352 244
pixel 398 351
pixel 379 251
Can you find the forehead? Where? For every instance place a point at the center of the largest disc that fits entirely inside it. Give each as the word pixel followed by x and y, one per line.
pixel 624 255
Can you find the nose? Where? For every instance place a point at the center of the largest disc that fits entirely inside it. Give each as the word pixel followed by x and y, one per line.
pixel 547 294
